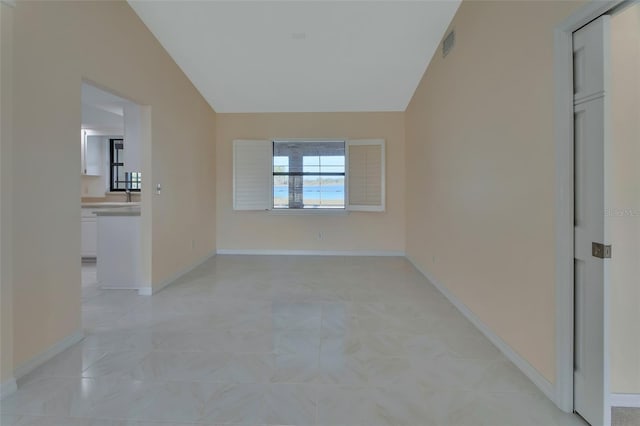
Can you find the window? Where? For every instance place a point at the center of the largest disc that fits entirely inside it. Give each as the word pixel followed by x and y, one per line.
pixel 308 175
pixel 119 179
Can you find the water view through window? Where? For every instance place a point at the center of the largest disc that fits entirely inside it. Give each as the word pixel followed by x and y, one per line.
pixel 308 175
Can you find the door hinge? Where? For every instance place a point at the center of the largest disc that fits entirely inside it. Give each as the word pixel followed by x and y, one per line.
pixel 601 251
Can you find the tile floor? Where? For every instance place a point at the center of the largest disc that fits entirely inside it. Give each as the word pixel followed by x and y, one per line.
pixel 280 341
pixel 626 417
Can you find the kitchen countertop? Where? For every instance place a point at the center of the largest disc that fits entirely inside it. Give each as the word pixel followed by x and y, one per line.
pixel 112 204
pixel 127 210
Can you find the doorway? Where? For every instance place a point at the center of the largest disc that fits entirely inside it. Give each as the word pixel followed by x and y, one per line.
pixel 114 133
pixel 587 155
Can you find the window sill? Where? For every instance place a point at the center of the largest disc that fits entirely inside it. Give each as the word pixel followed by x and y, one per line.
pixel 312 212
pixel 122 193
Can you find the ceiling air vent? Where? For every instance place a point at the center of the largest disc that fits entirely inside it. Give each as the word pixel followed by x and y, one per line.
pixel 448 42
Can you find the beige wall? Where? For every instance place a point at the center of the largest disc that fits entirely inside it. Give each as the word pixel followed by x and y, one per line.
pixel 270 231
pixel 479 162
pixel 105 43
pixel 625 189
pixel 6 89
pixel 481 170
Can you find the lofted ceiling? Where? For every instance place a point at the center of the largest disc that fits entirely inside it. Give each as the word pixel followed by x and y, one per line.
pixel 301 56
pixel 101 109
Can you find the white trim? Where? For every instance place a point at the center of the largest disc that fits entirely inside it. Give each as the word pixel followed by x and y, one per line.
pixel 104 131
pixel 627 400
pixel 303 140
pixel 387 253
pixel 45 356
pixel 563 117
pixel 121 287
pixel 149 291
pixel 8 387
pixel 10 3
pixel 310 211
pixel 590 11
pixel 145 291
pixel 534 375
pixel 564 219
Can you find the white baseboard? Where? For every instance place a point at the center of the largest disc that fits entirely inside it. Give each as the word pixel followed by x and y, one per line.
pixel 629 400
pixel 121 287
pixel 534 375
pixel 8 387
pixel 149 291
pixel 391 253
pixel 45 356
pixel 145 291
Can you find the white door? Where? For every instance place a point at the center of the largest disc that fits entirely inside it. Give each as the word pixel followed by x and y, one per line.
pixel 591 144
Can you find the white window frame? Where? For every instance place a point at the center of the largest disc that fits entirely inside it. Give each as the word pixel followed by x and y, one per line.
pixel 348 207
pixel 320 211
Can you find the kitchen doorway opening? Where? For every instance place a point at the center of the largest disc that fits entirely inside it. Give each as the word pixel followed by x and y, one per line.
pixel 115 259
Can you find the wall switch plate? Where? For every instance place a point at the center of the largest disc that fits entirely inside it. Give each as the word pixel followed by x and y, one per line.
pixel 158 188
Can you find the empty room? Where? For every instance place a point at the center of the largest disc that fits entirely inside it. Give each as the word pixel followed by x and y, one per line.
pixel 331 213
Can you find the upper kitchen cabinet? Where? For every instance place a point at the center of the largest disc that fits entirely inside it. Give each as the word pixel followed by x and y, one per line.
pixel 92 154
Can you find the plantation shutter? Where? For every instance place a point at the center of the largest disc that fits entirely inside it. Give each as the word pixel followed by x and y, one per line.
pixel 366 175
pixel 252 174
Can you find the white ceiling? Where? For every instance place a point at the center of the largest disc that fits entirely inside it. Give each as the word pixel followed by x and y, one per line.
pixel 101 109
pixel 98 98
pixel 301 56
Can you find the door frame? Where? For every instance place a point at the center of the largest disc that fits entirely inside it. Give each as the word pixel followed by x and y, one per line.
pixel 563 117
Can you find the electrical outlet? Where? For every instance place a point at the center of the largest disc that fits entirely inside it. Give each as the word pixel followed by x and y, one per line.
pixel 320 236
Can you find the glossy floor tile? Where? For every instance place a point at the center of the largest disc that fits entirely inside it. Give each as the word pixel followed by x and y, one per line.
pixel 246 340
pixel 626 417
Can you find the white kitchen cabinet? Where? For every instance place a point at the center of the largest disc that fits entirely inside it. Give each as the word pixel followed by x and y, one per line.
pixel 89 232
pixel 119 262
pixel 92 149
